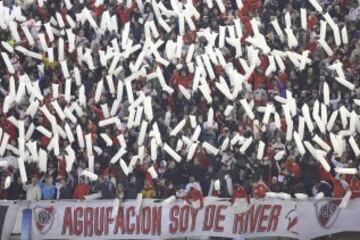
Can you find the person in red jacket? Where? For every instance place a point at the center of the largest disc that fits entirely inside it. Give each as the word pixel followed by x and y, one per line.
pixel 193 196
pixel 340 186
pixel 239 192
pixel 81 190
pixel 125 13
pixel 259 190
pixel 180 77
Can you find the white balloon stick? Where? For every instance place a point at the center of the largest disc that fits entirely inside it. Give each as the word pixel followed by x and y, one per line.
pixel 60 20
pixel 196 133
pixel 228 110
pixel 142 133
pixel 354 146
pixel 7 46
pixel 320 124
pixel 288 19
pixel 139 199
pixel 124 167
pixel 69 133
pixel 246 145
pixel 148 108
pixel 185 92
pixel 171 152
pixel 93 196
pixel 225 144
pixel 29 132
pixel 332 120
pixel 210 148
pixel 221 5
pixel 169 200
pixel 260 152
pixel 115 208
pixel 247 108
pixel 344 35
pixel 8 63
pixel 121 140
pixel 268 111
pixel 49 31
pixel 277 120
pixel 299 143
pixel 153 149
pixel 323 25
pixel 192 151
pixel 222 30
pixel 280 155
pixel 336 144
pixel 205 93
pixel 345 200
pixel 178 127
pixel 321 143
pixel 92 176
pixel 278 30
pixel 68 90
pixel 337 36
pixel 210 117
pixel 89 145
pixel 326 94
pixel 14 32
pixel 345 83
pixel 44 131
pixel 4 143
pixel 307 118
pixel 224 89
pixel 316 5
pixel 50 54
pixel 350 171
pixel 22 170
pixel 153 172
pixel 292 41
pixel 354 118
pixel 326 47
pixel 217 185
pixel 118 155
pixel 70 115
pixel 344 116
pixel 289 131
pixel 303 15
pixel 28 35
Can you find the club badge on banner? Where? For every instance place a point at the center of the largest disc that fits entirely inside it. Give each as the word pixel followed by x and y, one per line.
pixel 87 220
pixel 324 216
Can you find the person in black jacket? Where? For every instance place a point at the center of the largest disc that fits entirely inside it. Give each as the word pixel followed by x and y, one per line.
pixel 106 188
pixel 131 188
pixel 16 191
pixel 172 174
pixel 65 191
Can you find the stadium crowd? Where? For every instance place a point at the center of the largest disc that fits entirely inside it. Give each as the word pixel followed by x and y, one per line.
pixel 250 176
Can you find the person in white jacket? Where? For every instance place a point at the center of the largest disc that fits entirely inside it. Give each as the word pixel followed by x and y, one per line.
pixel 33 191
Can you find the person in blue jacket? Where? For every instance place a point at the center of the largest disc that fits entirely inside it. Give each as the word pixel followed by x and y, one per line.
pixel 48 190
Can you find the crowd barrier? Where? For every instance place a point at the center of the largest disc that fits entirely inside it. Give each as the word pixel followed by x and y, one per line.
pixel 72 219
